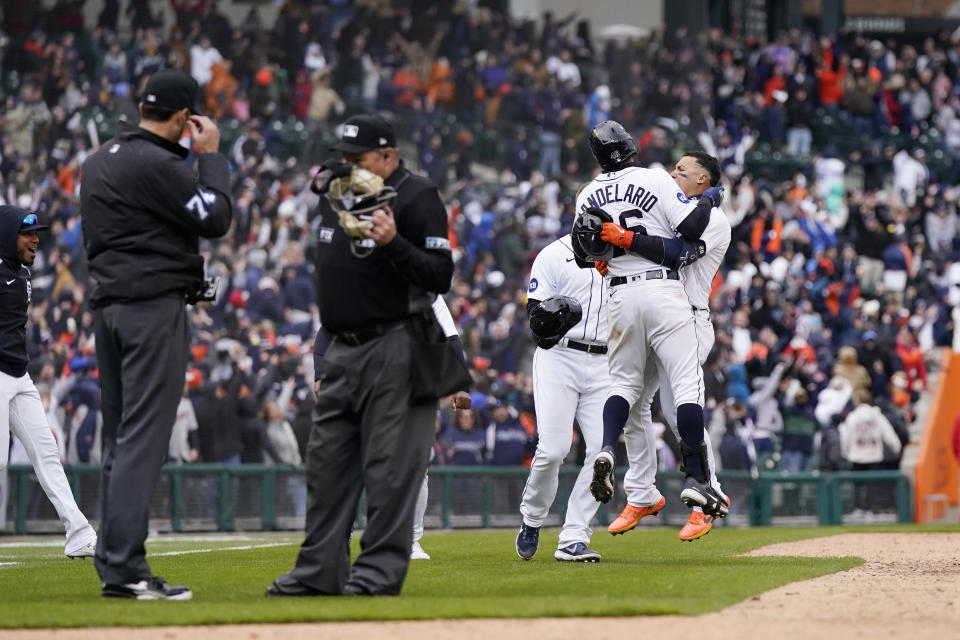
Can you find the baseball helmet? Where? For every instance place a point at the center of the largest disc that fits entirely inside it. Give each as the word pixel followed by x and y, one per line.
pixel 552 318
pixel 611 144
pixel 354 197
pixel 585 235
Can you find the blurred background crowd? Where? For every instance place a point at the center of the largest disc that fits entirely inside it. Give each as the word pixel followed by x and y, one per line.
pixel 839 154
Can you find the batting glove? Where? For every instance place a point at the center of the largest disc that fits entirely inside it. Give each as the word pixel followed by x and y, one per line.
pixel 714 195
pixel 601 266
pixel 616 235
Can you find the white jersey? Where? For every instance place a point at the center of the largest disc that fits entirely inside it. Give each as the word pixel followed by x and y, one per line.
pixel 555 273
pixel 698 277
pixel 637 198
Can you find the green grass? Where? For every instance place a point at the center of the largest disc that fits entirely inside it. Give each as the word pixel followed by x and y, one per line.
pixel 472 574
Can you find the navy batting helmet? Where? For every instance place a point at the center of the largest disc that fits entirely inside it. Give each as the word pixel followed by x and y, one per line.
pixel 551 319
pixel 585 235
pixel 611 145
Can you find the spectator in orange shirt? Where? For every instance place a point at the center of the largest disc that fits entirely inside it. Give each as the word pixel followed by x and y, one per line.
pixel 406 85
pixel 219 92
pixel 912 357
pixel 440 84
pixel 830 86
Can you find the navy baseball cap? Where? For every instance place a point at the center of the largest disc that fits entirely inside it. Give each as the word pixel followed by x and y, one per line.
pixel 172 88
pixel 31 222
pixel 365 132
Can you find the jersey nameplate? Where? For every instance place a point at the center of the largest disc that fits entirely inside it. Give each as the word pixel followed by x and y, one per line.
pixel 633 194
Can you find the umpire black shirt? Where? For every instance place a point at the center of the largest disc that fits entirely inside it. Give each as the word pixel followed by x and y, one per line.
pixel 143 211
pixel 14 298
pixel 395 280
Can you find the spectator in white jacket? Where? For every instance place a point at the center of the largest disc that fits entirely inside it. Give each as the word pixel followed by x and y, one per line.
pixel 863 435
pixel 202 58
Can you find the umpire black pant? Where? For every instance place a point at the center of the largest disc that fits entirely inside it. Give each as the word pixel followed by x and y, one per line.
pixel 365 434
pixel 142 355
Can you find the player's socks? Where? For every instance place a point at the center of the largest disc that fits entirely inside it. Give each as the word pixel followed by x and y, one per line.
pixel 690 426
pixel 615 412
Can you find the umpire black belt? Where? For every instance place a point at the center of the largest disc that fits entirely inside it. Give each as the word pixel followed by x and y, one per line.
pixel 586 347
pixel 653 274
pixel 369 332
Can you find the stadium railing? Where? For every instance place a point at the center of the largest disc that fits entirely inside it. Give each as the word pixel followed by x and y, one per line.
pixel 211 497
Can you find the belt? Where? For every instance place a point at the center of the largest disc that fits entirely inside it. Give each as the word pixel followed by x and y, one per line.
pixel 586 347
pixel 369 332
pixel 653 274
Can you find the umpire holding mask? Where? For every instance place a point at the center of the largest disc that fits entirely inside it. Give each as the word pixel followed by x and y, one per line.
pixel 382 258
pixel 144 210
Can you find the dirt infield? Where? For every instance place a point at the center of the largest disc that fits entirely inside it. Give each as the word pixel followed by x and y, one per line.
pixel 908 587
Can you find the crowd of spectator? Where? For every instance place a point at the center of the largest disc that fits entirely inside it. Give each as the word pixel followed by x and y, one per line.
pixel 835 292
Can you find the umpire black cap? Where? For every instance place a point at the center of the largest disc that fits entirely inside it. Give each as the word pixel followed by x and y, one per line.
pixel 365 132
pixel 172 88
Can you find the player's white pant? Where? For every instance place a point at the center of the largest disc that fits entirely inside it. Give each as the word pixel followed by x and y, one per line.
pixel 22 409
pixel 420 509
pixel 566 384
pixel 653 316
pixel 639 480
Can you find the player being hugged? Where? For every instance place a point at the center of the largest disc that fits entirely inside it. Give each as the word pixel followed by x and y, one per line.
pixel 627 211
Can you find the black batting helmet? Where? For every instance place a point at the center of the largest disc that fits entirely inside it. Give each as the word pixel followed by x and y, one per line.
pixel 585 235
pixel 611 145
pixel 551 319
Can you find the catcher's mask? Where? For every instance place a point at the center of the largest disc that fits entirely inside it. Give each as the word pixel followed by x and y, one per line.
pixel 355 197
pixel 585 234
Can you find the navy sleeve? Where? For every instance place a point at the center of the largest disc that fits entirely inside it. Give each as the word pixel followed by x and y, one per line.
pixel 696 222
pixel 673 253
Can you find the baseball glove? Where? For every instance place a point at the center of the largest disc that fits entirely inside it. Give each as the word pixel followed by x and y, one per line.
pixel 551 319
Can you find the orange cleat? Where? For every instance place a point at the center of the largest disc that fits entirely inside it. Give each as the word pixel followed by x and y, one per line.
pixel 697 526
pixel 631 515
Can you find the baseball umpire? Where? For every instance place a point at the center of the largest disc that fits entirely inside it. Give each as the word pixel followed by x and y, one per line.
pixel 20 406
pixel 143 211
pixel 383 255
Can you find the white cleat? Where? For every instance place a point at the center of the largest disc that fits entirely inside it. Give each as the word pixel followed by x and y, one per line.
pixel 417 552
pixel 86 551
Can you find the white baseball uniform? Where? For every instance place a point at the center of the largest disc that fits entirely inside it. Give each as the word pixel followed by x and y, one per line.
pixel 639 480
pixel 22 413
pixel 649 311
pixel 570 381
pixel 444 317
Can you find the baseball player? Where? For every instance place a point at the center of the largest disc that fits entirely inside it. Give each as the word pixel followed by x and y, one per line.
pixel 21 410
pixel 649 311
pixel 568 317
pixel 460 400
pixel 694 173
